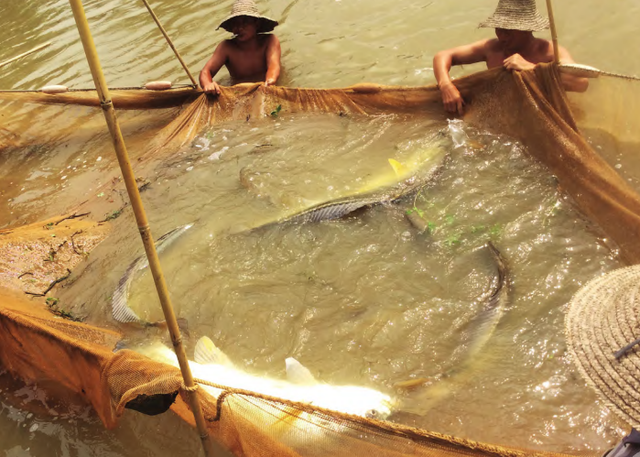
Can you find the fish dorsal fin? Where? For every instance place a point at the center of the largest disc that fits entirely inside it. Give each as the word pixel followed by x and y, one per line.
pixel 298 373
pixel 207 353
pixel 398 168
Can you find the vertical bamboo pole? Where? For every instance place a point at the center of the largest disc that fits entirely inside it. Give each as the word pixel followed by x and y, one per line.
pixel 554 33
pixel 175 51
pixel 141 217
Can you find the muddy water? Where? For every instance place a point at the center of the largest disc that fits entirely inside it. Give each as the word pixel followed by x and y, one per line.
pixel 365 300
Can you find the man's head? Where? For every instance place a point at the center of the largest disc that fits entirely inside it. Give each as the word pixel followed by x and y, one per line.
pixel 244 17
pixel 244 27
pixel 520 15
pixel 513 41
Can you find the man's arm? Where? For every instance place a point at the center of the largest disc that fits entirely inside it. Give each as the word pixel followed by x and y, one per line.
pixel 571 83
pixel 211 68
pixel 273 61
pixel 442 63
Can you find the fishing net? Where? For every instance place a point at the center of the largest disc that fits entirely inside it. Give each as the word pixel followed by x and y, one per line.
pixel 529 106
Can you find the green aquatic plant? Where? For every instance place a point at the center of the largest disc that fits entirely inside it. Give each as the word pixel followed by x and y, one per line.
pixel 418 219
pixel 114 215
pixel 452 240
pixel 495 231
pixel 416 210
pixel 52 304
pixel 276 111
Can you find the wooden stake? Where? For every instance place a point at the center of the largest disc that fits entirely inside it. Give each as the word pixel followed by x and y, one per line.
pixel 37 48
pixel 141 218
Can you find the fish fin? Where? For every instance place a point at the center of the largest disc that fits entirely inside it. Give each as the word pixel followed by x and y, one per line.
pixel 298 373
pixel 207 353
pixel 398 168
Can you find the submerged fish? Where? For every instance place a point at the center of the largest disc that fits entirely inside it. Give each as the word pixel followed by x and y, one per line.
pixel 477 334
pixel 213 366
pixel 399 180
pixel 119 307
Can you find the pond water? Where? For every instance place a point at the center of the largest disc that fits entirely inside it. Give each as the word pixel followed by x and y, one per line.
pixel 363 300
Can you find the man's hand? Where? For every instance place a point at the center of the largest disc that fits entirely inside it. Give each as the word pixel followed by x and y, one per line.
pixel 212 88
pixel 518 63
pixel 269 82
pixel 451 98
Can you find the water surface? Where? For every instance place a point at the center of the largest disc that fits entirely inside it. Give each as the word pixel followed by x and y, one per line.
pixel 363 300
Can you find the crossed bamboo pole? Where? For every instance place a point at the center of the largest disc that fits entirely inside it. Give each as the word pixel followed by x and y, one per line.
pixel 166 37
pixel 13 59
pixel 141 218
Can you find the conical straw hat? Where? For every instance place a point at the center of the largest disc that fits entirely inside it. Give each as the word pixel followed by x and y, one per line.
pixel 602 325
pixel 516 15
pixel 248 8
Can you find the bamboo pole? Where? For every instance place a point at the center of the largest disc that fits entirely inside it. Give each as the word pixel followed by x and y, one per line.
pixel 141 217
pixel 37 48
pixel 554 33
pixel 175 51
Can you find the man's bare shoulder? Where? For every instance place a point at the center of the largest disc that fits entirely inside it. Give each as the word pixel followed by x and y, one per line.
pixel 268 39
pixel 544 47
pixel 492 45
pixel 227 45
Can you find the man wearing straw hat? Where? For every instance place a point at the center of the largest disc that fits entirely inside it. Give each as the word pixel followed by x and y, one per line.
pixel 251 55
pixel 515 48
pixel 602 328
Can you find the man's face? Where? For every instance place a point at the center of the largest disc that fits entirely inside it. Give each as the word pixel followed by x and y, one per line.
pixel 511 40
pixel 245 27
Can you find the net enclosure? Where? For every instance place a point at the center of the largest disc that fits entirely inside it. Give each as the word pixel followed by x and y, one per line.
pixel 530 106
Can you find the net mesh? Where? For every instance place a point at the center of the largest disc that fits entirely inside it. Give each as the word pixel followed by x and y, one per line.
pixel 530 106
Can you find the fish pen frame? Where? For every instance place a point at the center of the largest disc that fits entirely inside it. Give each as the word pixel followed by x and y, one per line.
pixel 141 218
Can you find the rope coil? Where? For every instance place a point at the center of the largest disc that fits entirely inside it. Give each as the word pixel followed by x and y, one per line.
pixel 191 389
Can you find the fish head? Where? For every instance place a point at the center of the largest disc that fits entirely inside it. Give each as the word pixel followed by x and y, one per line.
pixel 356 400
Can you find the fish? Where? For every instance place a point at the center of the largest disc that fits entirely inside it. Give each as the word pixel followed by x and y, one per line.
pixel 414 174
pixel 476 335
pixel 211 365
pixel 119 307
pixel 402 179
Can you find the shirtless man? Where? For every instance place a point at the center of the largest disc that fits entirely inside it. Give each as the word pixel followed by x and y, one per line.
pixel 251 55
pixel 515 48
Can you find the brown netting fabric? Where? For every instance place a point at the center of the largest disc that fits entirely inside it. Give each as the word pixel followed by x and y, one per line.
pixel 36 345
pixel 529 106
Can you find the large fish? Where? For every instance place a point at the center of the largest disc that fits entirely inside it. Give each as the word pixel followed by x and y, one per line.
pixel 391 184
pixel 212 365
pixel 475 337
pixel 398 180
pixel 119 307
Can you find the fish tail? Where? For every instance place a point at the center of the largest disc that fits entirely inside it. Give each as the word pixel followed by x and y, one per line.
pixel 398 168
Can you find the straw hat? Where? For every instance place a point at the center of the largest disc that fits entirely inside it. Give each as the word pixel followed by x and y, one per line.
pixel 516 15
pixel 602 325
pixel 248 8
